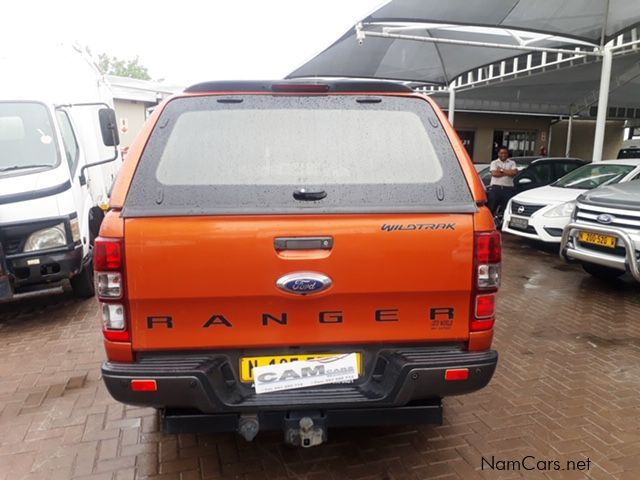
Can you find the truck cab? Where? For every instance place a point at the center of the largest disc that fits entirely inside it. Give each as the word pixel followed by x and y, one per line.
pixel 58 160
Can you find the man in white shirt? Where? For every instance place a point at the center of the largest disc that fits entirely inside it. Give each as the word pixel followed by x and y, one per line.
pixel 502 172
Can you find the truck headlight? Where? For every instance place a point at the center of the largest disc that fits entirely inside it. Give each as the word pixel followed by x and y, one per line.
pixel 562 210
pixel 51 237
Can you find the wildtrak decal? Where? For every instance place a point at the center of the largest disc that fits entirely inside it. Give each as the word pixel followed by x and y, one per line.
pixel 417 226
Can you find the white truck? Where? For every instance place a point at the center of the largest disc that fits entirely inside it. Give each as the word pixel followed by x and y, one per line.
pixel 58 159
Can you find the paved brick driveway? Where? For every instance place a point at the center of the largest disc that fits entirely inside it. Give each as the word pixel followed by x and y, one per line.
pixel 567 388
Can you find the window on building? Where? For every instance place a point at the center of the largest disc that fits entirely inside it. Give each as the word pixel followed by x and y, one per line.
pixel 69 139
pixel 467 137
pixel 520 143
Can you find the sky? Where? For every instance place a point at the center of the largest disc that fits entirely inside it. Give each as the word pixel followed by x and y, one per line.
pixel 189 41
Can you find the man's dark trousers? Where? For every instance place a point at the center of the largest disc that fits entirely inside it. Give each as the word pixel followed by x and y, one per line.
pixel 499 196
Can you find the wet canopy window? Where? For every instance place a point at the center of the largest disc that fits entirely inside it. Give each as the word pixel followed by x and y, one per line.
pixel 298 147
pixel 250 154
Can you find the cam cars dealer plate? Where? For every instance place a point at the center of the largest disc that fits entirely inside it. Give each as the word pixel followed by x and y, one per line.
pixel 247 364
pixel 598 239
pixel 519 223
pixel 341 368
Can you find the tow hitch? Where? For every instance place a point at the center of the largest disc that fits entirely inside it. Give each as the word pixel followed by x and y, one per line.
pixel 305 429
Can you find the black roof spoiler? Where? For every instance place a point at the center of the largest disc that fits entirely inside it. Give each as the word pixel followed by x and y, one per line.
pixel 300 86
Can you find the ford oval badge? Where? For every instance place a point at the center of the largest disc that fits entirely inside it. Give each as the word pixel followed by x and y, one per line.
pixel 304 283
pixel 605 218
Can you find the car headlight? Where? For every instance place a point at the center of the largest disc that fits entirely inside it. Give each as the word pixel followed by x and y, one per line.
pixel 562 210
pixel 46 238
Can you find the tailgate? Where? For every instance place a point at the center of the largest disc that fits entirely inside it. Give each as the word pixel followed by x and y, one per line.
pixel 207 282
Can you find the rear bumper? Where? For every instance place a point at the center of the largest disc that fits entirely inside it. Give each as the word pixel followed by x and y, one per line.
pixel 392 377
pixel 571 249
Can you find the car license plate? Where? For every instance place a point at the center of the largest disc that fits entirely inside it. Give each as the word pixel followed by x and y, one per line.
pixel 247 364
pixel 519 223
pixel 598 239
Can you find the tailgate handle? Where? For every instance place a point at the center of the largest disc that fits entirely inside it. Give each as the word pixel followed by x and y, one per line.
pixel 303 243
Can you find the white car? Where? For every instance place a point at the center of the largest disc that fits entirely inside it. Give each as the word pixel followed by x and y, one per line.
pixel 542 213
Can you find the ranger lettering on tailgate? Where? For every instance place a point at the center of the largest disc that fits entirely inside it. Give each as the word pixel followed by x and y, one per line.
pixel 279 253
pixel 328 317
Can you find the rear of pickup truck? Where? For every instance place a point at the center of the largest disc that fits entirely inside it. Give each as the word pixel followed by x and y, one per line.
pixel 258 224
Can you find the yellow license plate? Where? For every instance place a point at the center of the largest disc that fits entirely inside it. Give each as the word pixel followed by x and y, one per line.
pixel 247 364
pixel 598 239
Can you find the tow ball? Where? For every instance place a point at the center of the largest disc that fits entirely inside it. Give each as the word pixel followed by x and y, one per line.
pixel 305 429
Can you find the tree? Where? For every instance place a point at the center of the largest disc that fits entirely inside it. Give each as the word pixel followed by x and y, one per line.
pixel 122 68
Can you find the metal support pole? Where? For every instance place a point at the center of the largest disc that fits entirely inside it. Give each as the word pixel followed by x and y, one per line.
pixel 567 150
pixel 452 103
pixel 361 34
pixel 603 99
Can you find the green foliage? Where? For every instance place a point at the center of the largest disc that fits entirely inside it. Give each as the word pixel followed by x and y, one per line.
pixel 122 68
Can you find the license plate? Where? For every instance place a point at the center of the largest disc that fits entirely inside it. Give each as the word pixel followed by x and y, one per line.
pixel 247 364
pixel 519 223
pixel 598 239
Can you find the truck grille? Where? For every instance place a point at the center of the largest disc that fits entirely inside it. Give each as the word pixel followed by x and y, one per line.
pixel 524 210
pixel 623 219
pixel 628 220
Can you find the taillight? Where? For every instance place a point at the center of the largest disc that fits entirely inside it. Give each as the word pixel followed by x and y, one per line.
pixel 488 254
pixel 107 254
pixel 485 306
pixel 487 265
pixel 108 263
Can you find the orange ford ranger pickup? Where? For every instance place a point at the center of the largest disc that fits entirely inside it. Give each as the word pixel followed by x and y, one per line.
pixel 257 227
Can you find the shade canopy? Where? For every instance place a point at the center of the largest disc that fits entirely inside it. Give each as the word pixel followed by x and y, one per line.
pixel 581 19
pixel 573 89
pixel 408 60
pixel 534 23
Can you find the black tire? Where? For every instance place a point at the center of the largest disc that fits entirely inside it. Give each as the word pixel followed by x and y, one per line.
pixel 604 273
pixel 82 284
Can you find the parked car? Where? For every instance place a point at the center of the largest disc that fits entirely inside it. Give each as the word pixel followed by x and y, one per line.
pixel 630 149
pixel 256 240
pixel 542 213
pixel 604 235
pixel 544 171
pixel 632 152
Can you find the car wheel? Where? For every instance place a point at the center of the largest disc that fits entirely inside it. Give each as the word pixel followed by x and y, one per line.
pixel 604 273
pixel 82 284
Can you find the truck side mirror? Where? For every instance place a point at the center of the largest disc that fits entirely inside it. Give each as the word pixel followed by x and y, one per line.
pixel 110 137
pixel 109 127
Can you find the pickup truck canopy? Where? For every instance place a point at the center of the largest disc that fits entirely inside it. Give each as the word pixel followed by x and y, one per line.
pixel 264 153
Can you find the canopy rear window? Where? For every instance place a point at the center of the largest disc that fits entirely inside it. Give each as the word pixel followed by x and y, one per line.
pixel 252 153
